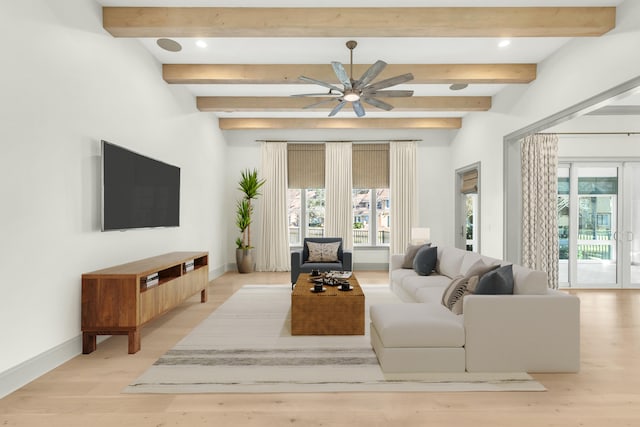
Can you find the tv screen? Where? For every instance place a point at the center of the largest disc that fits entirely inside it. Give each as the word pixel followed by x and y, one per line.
pixel 137 191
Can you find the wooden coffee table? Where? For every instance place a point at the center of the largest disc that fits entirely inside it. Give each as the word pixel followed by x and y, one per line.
pixel 333 312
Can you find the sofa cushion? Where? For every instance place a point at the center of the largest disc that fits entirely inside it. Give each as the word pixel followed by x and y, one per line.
pixel 496 282
pixel 323 252
pixel 425 261
pixel 417 325
pixel 412 284
pixel 410 255
pixel 429 294
pixel 450 261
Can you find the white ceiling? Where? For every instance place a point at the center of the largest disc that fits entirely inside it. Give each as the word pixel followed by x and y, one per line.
pixel 325 50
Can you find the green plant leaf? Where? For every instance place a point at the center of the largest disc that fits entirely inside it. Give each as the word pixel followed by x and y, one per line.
pixel 250 184
pixel 243 214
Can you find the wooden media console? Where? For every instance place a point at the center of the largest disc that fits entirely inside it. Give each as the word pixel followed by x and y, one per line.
pixel 119 300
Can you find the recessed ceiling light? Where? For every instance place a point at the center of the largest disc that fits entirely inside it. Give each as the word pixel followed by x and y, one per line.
pixel 458 86
pixel 170 45
pixel 201 43
pixel 504 43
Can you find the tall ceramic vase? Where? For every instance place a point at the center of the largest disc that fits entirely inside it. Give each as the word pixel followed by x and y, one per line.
pixel 244 260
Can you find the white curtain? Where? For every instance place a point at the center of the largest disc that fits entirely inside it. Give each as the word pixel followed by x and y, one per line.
pixel 338 204
pixel 539 154
pixel 273 253
pixel 402 182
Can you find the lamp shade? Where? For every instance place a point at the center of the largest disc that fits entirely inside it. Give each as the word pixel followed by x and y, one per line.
pixel 420 235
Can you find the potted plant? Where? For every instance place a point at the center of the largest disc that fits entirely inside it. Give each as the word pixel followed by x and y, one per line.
pixel 250 186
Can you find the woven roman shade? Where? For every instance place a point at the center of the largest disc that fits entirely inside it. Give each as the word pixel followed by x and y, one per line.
pixel 469 182
pixel 305 165
pixel 370 165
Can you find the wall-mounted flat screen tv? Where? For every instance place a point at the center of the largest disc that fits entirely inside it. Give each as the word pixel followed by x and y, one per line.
pixel 137 191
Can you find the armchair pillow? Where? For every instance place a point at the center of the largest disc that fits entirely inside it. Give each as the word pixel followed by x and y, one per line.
pixel 323 252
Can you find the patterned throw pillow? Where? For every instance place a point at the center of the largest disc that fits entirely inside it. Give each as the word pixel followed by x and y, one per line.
pixel 456 306
pixel 462 286
pixel 323 252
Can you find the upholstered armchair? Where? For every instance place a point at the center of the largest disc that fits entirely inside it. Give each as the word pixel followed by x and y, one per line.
pixel 323 253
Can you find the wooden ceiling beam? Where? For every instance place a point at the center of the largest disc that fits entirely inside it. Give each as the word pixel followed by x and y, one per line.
pixel 284 103
pixel 338 123
pixel 358 21
pixel 289 73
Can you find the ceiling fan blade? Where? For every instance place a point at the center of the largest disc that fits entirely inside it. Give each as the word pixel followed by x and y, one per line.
pixel 318 95
pixel 324 101
pixel 390 82
pixel 388 93
pixel 378 104
pixel 358 108
pixel 341 74
pixel 370 74
pixel 337 108
pixel 319 82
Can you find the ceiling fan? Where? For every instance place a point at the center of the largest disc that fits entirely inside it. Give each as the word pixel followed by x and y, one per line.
pixel 358 91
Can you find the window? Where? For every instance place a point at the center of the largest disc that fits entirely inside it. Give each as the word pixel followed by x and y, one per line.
pixel 314 209
pixel 294 199
pixel 306 214
pixel 306 195
pixel 371 217
pixel 383 217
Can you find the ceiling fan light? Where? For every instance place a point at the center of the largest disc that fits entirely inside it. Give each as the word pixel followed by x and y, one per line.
pixel 351 96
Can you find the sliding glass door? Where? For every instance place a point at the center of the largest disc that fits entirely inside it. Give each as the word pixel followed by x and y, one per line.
pixel 588 225
pixel 599 225
pixel 630 238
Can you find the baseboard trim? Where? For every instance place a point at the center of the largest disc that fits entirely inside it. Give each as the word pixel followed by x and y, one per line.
pixel 365 266
pixel 27 371
pixel 216 272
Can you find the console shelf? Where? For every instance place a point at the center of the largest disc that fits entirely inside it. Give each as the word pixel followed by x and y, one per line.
pixel 119 300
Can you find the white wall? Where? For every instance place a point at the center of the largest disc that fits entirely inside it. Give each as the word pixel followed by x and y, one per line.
pixel 599 146
pixel 435 178
pixel 65 84
pixel 579 70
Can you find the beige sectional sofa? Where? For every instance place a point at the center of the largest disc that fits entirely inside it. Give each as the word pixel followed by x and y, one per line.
pixel 536 329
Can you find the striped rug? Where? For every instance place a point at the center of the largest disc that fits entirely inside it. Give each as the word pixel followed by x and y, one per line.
pixel 245 346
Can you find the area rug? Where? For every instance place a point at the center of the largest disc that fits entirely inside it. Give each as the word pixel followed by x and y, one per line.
pixel 245 346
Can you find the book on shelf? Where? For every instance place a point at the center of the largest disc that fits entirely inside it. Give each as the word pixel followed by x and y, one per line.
pixel 152 280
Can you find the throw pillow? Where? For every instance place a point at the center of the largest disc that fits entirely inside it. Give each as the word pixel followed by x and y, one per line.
pixel 462 286
pixel 410 254
pixel 425 260
pixel 454 291
pixel 456 304
pixel 480 268
pixel 496 282
pixel 323 252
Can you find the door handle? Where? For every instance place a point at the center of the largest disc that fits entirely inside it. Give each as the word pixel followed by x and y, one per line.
pixel 615 235
pixel 629 236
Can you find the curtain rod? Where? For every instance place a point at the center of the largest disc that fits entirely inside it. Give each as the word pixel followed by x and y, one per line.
pixel 338 140
pixel 589 133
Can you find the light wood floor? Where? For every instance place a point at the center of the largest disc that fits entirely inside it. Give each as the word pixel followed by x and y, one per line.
pixel 86 390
